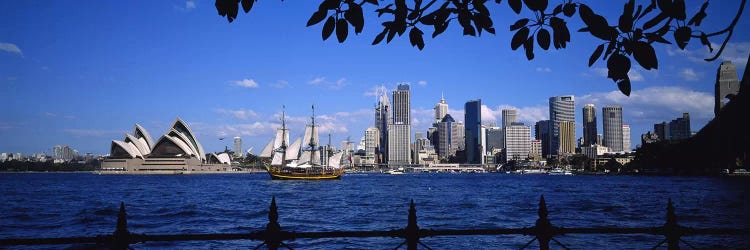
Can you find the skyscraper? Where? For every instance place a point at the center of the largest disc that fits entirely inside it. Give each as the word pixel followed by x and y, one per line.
pixel 399 131
pixel 495 138
pixel 542 132
pixel 382 119
pixel 727 84
pixel 509 117
pixel 589 125
pixel 561 109
pixel 517 142
pixel 372 140
pixel 626 138
pixel 450 137
pixel 612 121
pixel 566 135
pixel 441 109
pixel 473 123
pixel 237 147
pixel 679 129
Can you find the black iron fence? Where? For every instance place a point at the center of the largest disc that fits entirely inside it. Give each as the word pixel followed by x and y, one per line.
pixel 273 236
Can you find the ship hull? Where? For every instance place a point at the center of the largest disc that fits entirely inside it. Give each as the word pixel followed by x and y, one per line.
pixel 284 173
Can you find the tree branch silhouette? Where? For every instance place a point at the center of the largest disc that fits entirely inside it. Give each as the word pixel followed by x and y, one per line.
pixel 624 39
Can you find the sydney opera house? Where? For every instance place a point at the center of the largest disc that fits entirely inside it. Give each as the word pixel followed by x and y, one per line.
pixel 177 151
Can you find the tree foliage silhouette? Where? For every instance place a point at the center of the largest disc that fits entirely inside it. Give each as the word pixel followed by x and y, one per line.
pixel 631 36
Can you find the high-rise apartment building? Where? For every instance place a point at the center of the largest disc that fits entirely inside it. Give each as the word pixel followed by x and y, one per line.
pixel 517 142
pixel 561 109
pixel 495 138
pixel 727 84
pixel 473 123
pixel 237 147
pixel 441 109
pixel 626 138
pixel 612 122
pixel 589 125
pixel 541 132
pixel 372 141
pixel 382 120
pixel 566 135
pixel 399 131
pixel 450 137
pixel 679 129
pixel 536 150
pixel 509 117
pixel 660 129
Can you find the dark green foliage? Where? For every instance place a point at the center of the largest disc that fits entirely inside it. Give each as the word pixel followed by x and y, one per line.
pixel 624 38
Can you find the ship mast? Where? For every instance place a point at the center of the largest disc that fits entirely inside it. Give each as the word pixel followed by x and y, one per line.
pixel 283 135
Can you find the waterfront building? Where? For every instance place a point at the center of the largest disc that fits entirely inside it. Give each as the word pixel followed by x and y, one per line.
pixel 382 119
pixel 399 131
pixel 517 142
pixel 612 123
pixel 3 157
pixel 589 125
pixel 536 150
pixel 495 138
pixel 599 139
pixel 509 117
pixel 237 147
pixel 561 109
pixel 372 140
pixel 451 137
pixel 660 129
pixel 727 85
pixel 541 132
pixel 679 128
pixel 566 135
pixel 473 126
pixel 649 137
pixel 176 151
pixel 626 138
pixel 62 153
pixel 594 151
pixel 441 109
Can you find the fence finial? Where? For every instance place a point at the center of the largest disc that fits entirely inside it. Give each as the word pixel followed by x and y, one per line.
pixel 412 229
pixel 121 236
pixel 273 229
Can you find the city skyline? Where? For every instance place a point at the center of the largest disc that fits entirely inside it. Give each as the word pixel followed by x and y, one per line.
pixel 87 87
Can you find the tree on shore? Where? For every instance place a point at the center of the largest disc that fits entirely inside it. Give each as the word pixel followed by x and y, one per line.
pixel 629 37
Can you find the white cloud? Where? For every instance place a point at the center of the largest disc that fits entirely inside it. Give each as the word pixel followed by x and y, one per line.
pixel 241 114
pixel 94 132
pixel 322 81
pixel 655 104
pixel 527 115
pixel 634 74
pixel 422 83
pixel 688 74
pixel 376 91
pixel 543 69
pixel 11 48
pixel 735 52
pixel 190 4
pixel 280 84
pixel 246 83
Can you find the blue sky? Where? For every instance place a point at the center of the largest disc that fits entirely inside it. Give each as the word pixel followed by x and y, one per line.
pixel 83 73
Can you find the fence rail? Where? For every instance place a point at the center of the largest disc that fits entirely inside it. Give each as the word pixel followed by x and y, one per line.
pixel 273 237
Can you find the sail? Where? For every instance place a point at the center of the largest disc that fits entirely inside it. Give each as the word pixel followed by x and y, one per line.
pixel 315 156
pixel 292 151
pixel 278 158
pixel 278 140
pixel 306 137
pixel 266 153
pixel 335 160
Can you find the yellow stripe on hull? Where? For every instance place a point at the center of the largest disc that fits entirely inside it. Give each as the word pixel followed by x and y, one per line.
pixel 276 176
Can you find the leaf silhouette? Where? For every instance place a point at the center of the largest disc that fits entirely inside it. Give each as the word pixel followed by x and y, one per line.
pixel 247 5
pixel 520 23
pixel 654 21
pixel 328 27
pixel 519 38
pixel 543 38
pixel 374 2
pixel 415 37
pixel 355 16
pixel 379 37
pixel 561 34
pixel 698 18
pixel 682 36
pixel 529 47
pixel 678 10
pixel 618 67
pixel 569 9
pixel 515 5
pixel 624 86
pixel 342 30
pixel 626 19
pixel 704 41
pixel 597 53
pixel 645 55
pixel 317 17
pixel 439 28
pixel 536 5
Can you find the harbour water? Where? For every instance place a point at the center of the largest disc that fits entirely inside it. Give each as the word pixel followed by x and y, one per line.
pixel 83 204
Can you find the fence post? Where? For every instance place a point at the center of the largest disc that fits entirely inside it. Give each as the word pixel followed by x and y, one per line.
pixel 121 236
pixel 273 229
pixel 671 229
pixel 412 230
pixel 543 226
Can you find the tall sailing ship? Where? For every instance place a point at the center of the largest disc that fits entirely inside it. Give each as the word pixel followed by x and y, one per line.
pixel 300 161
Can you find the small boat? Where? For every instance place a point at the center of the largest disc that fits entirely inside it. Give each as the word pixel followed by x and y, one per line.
pixel 559 171
pixel 295 162
pixel 396 171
